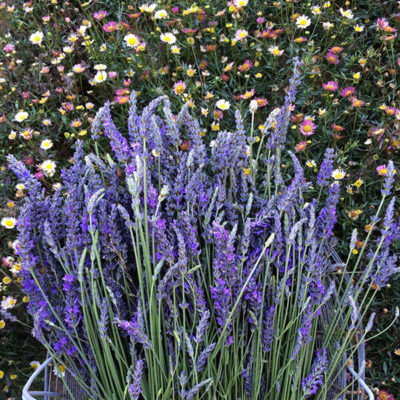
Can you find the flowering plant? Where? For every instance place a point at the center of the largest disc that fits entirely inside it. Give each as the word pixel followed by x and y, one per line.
pixel 174 270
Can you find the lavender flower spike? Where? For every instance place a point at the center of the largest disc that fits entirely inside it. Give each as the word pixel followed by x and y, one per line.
pixel 326 168
pixel 389 179
pixel 118 143
pixel 135 388
pixel 18 167
pixel 310 384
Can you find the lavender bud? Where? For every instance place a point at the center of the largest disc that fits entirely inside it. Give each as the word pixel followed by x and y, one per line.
pixel 135 388
pixel 389 179
pixel 316 377
pixel 325 171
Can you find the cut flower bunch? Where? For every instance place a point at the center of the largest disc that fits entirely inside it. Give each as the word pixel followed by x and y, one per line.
pixel 176 270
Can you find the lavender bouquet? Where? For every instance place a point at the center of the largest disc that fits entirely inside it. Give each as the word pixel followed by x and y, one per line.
pixel 176 270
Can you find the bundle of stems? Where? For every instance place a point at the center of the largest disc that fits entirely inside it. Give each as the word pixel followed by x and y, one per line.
pixel 177 270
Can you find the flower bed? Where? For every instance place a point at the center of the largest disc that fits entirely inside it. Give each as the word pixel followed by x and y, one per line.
pixel 61 61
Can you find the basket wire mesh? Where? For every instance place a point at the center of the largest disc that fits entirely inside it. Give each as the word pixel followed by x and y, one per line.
pixel 358 388
pixel 54 387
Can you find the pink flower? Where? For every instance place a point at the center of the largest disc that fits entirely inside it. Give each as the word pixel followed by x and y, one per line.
pixel 175 10
pixel 110 26
pixel 121 99
pixel 348 91
pixel 384 395
pixel 336 49
pixel 382 23
pixel 391 111
pixel 382 170
pixel 8 48
pixel 261 102
pixel 39 175
pixel 179 87
pixel 112 74
pixel 307 127
pixel 331 86
pixel 357 102
pixel 391 37
pixel 246 66
pixel 301 146
pixel 241 34
pixel 99 15
pixel 260 20
pixel 332 58
pixel 248 95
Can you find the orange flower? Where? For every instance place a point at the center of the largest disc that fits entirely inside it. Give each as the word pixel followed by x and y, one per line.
pixel 337 128
pixel 336 49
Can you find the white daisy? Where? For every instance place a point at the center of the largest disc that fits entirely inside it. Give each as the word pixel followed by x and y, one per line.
pixel 338 174
pixel 161 14
pixel 223 104
pixel 35 364
pixel 100 67
pixel 21 116
pixel 36 38
pixel 46 144
pixel 168 38
pixel 48 167
pixel 131 40
pixel 346 13
pixel 101 76
pixel 8 303
pixel 303 21
pixel 8 222
pixel 240 3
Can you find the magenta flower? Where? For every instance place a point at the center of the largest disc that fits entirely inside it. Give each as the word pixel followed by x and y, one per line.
pixel 307 127
pixel 356 102
pixel 8 48
pixel 348 91
pixel 331 86
pixel 110 26
pixel 301 146
pixel 99 15
pixel 332 58
pixel 179 87
pixel 382 23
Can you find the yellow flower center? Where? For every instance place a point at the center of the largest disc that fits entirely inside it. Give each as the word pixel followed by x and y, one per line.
pixel 180 89
pixel 132 41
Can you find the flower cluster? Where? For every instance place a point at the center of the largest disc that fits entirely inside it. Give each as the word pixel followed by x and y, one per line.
pixel 174 255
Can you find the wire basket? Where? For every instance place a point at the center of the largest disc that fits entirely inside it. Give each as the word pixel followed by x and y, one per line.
pixel 54 387
pixel 358 388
